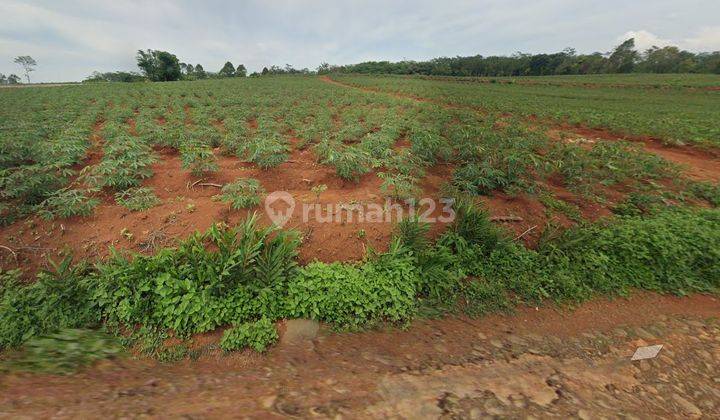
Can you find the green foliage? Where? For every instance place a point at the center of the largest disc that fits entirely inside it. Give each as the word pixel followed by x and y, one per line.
pixel 380 290
pixel 707 191
pixel 158 66
pixel 64 352
pixel 258 335
pixel 399 186
pixel 637 204
pixel 267 151
pixel 198 158
pixel 57 299
pixel 67 203
pixel 350 162
pixel 192 289
pixel 127 161
pixel 243 193
pixel 508 173
pixel 137 199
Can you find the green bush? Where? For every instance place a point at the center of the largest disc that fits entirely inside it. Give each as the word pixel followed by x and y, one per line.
pixel 258 335
pixel 352 296
pixel 57 299
pixel 235 276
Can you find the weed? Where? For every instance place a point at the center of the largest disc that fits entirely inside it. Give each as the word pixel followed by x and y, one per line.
pixel 258 335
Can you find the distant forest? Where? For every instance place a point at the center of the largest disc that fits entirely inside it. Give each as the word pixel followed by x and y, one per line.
pixel 161 66
pixel 623 59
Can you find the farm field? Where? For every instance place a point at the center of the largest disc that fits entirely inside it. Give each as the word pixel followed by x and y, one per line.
pixel 634 80
pixel 666 112
pixel 142 204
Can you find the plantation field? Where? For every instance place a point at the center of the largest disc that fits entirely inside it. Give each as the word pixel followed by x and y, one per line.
pixel 675 116
pixel 631 80
pixel 141 206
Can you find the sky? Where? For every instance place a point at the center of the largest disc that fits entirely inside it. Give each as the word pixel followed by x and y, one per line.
pixel 71 39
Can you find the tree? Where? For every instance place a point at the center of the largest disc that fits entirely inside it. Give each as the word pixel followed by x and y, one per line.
pixel 200 72
pixel 241 71
pixel 265 71
pixel 3 79
pixel 227 70
pixel 13 79
pixel 159 66
pixel 27 63
pixel 623 58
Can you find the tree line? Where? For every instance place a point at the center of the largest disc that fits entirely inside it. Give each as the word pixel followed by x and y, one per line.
pixel 162 66
pixel 623 59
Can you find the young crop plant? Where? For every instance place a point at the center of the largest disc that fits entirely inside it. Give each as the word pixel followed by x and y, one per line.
pixel 267 151
pixel 127 161
pixel 508 173
pixel 242 194
pixel 258 335
pixel 399 186
pixel 350 162
pixel 137 198
pixel 67 203
pixel 198 158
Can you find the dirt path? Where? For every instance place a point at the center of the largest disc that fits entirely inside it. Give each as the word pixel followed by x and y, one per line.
pixel 698 164
pixel 538 362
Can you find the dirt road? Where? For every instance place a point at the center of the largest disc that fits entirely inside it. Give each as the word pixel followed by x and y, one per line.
pixel 537 362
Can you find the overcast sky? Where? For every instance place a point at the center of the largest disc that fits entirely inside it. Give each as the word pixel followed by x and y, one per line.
pixel 70 39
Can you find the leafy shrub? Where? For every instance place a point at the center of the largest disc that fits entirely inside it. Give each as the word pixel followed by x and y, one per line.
pixel 198 158
pixel 352 296
pixel 64 352
pixel 509 173
pixel 267 151
pixel 243 193
pixel 349 162
pixel 58 299
pixel 127 161
pixel 430 147
pixel 137 198
pixel 66 203
pixel 258 335
pixel 192 289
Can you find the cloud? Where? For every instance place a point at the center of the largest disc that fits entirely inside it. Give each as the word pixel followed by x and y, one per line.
pixel 645 40
pixel 72 38
pixel 706 39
